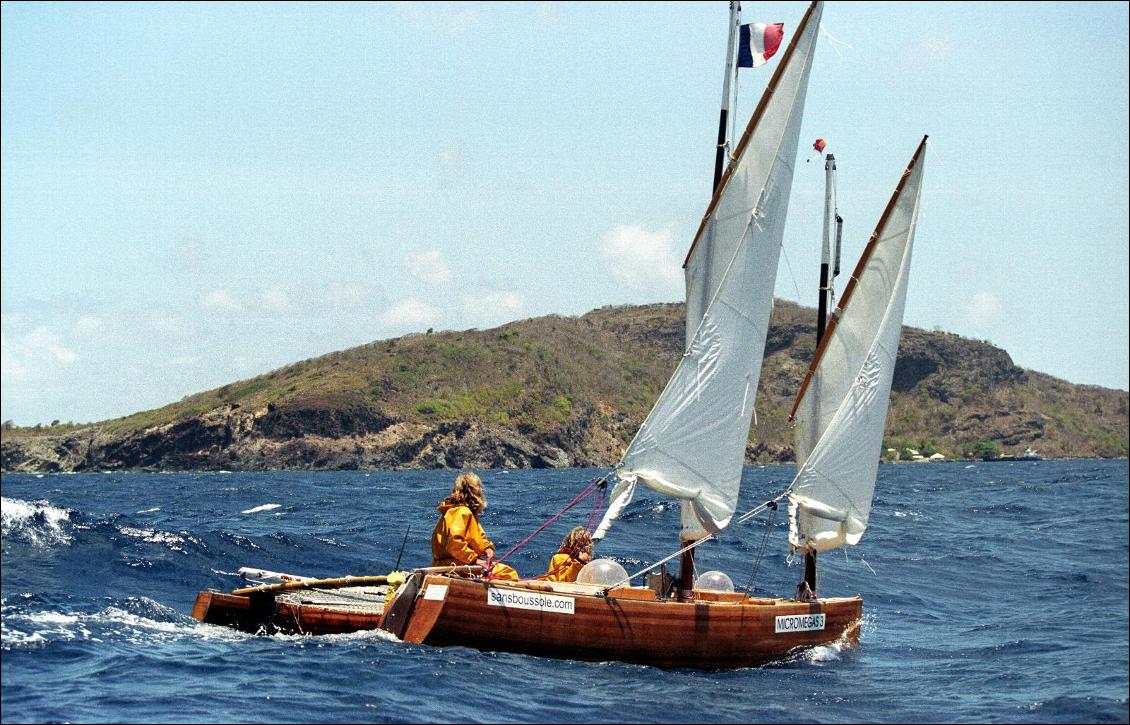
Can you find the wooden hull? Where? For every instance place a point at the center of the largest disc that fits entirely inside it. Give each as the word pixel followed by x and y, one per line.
pixel 263 614
pixel 622 626
pixel 717 631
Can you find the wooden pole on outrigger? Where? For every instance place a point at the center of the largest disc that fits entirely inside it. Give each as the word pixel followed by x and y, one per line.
pixel 336 583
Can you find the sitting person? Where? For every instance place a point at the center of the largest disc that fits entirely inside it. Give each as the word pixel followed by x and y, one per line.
pixel 575 552
pixel 458 538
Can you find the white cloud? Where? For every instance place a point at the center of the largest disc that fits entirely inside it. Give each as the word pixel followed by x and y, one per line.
pixel 643 260
pixel 444 17
pixel 411 314
pixel 11 367
pixel 429 267
pixel 174 326
pixel 938 47
pixel 46 344
pixel 983 310
pixel 221 300
pixel 274 299
pixel 86 326
pixel 492 307
pixel 349 293
pixel 33 356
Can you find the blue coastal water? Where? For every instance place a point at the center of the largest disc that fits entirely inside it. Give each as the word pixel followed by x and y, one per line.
pixel 998 594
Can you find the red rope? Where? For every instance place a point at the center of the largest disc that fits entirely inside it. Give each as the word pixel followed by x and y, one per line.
pixel 580 497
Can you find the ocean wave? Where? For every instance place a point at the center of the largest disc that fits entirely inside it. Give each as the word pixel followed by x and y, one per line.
pixel 137 620
pixel 264 507
pixel 35 522
pixel 174 542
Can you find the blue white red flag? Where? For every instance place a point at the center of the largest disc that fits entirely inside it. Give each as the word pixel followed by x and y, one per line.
pixel 759 41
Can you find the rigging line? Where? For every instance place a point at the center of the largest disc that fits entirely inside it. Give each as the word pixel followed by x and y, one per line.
pixel 785 254
pixel 582 495
pixel 834 40
pixel 734 115
pixel 695 544
pixel 764 543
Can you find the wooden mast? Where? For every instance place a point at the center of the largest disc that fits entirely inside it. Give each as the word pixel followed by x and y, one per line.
pixel 825 289
pixel 823 332
pixel 720 152
pixel 850 288
pixel 685 587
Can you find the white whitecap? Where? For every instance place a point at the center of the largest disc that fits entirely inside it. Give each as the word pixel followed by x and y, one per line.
pixel 264 507
pixel 172 541
pixel 37 522
pixel 31 629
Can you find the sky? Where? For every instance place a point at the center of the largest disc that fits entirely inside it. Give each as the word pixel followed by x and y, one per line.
pixel 193 194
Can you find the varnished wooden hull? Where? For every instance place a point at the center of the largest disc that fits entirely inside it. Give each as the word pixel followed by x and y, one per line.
pixel 262 613
pixel 630 625
pixel 703 634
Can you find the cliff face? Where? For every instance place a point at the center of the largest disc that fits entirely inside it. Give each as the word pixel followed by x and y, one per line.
pixel 554 392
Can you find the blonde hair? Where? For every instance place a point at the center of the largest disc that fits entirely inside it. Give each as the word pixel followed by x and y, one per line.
pixel 468 491
pixel 577 541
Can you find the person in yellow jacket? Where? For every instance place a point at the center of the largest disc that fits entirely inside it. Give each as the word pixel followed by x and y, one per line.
pixel 575 552
pixel 458 538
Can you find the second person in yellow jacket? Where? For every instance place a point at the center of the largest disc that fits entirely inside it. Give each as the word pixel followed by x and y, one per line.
pixel 575 552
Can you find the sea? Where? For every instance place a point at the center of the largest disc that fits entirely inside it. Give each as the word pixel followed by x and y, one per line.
pixel 993 592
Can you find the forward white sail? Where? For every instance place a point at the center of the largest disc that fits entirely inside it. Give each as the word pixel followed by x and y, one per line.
pixel 841 409
pixel 692 444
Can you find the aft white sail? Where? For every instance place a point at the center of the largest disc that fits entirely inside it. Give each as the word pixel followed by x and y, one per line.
pixel 841 410
pixel 692 444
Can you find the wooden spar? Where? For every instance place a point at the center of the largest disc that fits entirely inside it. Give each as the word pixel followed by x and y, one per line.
pixel 826 246
pixel 685 586
pixel 686 565
pixel 823 293
pixel 720 152
pixel 859 267
pixel 749 129
pixel 337 583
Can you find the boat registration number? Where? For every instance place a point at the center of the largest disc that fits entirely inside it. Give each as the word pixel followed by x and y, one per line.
pixel 800 623
pixel 535 601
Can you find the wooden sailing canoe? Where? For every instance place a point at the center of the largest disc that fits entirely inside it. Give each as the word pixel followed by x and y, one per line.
pixel 716 631
pixel 560 620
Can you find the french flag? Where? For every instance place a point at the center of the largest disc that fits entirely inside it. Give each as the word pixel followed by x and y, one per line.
pixel 759 42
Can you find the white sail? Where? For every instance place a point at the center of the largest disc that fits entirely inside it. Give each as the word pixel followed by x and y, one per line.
pixel 842 408
pixel 692 444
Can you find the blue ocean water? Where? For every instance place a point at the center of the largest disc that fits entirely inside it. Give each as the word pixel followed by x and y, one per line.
pixel 998 594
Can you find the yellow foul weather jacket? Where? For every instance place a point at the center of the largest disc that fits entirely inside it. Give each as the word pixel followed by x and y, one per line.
pixel 563 568
pixel 459 539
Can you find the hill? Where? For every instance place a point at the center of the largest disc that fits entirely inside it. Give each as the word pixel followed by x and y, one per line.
pixel 563 391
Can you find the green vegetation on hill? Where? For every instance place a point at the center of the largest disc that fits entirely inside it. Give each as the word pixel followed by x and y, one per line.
pixel 563 391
